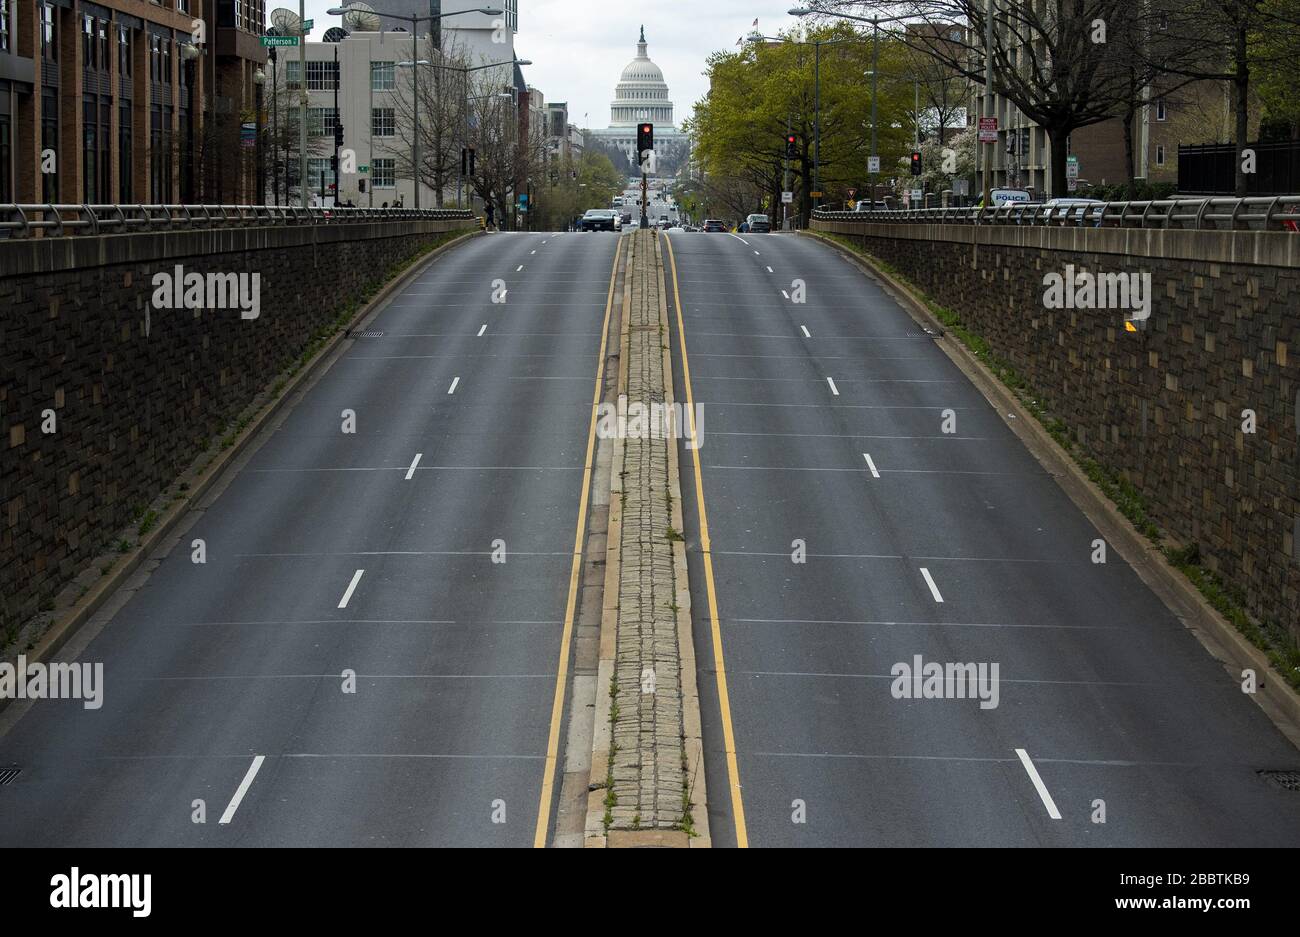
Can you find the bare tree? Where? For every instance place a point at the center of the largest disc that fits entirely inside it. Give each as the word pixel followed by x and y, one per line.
pixel 1055 60
pixel 1219 40
pixel 441 116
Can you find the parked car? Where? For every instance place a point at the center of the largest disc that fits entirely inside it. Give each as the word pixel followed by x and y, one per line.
pixel 712 225
pixel 1074 209
pixel 759 224
pixel 601 219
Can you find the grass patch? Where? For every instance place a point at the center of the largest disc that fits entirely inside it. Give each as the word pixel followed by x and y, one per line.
pixel 1278 644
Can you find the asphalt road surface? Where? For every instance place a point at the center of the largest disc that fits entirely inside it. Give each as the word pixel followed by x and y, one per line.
pixel 330 552
pixel 823 423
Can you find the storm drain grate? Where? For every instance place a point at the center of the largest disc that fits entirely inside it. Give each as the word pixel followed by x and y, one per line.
pixel 370 335
pixel 7 775
pixel 1287 780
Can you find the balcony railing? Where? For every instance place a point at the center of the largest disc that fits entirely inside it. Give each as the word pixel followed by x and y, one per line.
pixel 19 221
pixel 1281 213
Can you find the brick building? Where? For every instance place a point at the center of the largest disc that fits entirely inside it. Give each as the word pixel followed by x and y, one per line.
pixel 100 102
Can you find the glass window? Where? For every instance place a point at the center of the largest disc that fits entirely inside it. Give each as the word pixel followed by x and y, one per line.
pixel 321 121
pixel 49 48
pixel 383 122
pixel 6 155
pixel 383 76
pixel 101 41
pixel 4 35
pixel 88 41
pixel 293 74
pixel 322 76
pixel 124 180
pixel 50 141
pixel 384 172
pixel 1161 112
pixel 1160 155
pixel 124 51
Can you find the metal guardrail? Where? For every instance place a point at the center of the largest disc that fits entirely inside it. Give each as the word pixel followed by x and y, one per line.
pixel 20 221
pixel 1280 213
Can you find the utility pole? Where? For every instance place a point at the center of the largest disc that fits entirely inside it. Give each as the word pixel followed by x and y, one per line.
pixel 875 75
pixel 785 182
pixel 817 123
pixel 337 190
pixel 988 103
pixel 302 98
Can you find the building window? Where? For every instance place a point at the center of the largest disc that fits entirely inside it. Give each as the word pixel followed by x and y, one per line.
pixel 124 51
pixel 293 74
pixel 49 48
pixel 322 76
pixel 321 121
pixel 1160 155
pixel 1161 111
pixel 6 155
pixel 155 59
pixel 89 150
pixel 124 167
pixel 384 173
pixel 50 141
pixel 383 77
pixel 166 62
pixel 383 122
pixel 320 176
pixel 4 28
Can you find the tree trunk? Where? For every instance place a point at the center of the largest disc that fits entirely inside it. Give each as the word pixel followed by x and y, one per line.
pixel 1130 155
pixel 1241 85
pixel 1058 186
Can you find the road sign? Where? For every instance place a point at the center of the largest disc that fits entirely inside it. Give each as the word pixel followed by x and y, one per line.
pixel 852 192
pixel 787 198
pixel 1072 167
pixel 279 40
pixel 364 168
pixel 917 195
pixel 988 130
pixel 873 164
pixel 307 24
pixel 815 194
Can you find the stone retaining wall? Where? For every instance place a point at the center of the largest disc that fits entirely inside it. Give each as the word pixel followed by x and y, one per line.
pixel 1162 406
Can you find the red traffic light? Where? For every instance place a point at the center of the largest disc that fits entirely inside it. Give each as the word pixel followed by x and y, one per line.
pixel 916 163
pixel 791 139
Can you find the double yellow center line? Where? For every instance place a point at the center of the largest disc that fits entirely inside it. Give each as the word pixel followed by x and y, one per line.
pixel 566 639
pixel 706 550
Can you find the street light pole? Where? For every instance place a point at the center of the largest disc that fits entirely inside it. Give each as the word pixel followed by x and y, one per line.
pixel 817 123
pixel 303 100
pixel 875 77
pixel 988 103
pixel 415 21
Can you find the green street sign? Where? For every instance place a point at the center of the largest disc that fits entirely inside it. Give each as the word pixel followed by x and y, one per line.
pixel 365 168
pixel 307 24
pixel 279 40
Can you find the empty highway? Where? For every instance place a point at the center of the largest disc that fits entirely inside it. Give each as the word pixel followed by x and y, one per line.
pixel 369 654
pixel 866 508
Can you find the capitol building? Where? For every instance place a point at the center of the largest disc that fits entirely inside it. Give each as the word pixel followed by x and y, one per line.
pixel 641 95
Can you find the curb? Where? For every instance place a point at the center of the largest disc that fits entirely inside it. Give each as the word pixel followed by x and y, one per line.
pixel 62 630
pixel 1216 634
pixel 692 726
pixel 595 836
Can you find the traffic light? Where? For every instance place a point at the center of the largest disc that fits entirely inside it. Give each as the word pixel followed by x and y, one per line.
pixel 338 134
pixel 464 161
pixel 916 162
pixel 471 161
pixel 645 138
pixel 361 185
pixel 790 146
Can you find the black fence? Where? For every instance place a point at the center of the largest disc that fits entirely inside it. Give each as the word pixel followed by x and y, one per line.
pixel 1210 169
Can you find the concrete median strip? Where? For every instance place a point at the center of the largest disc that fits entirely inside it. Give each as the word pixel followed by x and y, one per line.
pixel 647 779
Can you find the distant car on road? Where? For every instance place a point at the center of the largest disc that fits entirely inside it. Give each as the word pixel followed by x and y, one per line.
pixel 601 219
pixel 712 225
pixel 759 224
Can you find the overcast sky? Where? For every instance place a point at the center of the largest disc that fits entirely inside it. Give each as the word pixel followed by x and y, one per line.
pixel 579 47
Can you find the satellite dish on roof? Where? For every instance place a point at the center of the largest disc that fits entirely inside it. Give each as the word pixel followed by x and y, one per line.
pixel 335 34
pixel 286 21
pixel 361 17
